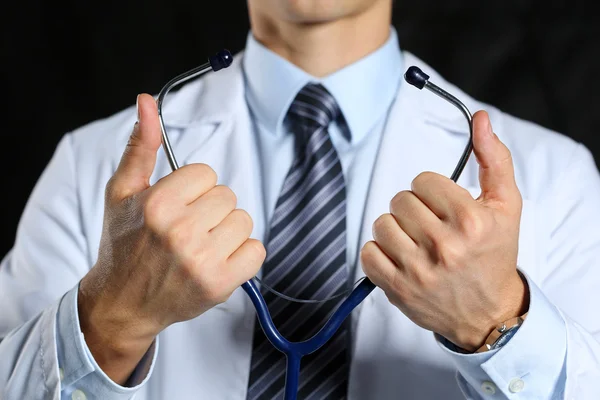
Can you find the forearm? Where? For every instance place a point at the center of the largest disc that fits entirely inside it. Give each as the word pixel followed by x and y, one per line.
pixel 115 341
pixel 82 370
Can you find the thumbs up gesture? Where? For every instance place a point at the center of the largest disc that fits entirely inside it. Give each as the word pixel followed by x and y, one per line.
pixel 168 253
pixel 448 261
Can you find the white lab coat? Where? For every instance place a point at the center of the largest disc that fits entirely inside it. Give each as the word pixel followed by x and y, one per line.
pixel 209 357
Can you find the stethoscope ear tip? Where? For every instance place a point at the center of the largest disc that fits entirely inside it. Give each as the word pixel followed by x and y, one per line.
pixel 416 77
pixel 222 59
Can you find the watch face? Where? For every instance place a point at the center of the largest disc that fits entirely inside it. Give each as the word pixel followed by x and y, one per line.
pixel 505 337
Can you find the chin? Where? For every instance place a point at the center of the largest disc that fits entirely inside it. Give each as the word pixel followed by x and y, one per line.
pixel 315 11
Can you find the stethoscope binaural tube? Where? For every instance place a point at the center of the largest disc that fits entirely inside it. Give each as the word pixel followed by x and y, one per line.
pixel 222 59
pixel 294 351
pixel 420 80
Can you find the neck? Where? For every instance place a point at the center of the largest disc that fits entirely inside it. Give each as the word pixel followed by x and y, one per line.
pixel 325 47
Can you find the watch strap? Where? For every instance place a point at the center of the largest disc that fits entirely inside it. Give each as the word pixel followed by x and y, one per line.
pixel 500 331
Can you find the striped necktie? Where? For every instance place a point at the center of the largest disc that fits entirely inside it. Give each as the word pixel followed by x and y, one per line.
pixel 306 256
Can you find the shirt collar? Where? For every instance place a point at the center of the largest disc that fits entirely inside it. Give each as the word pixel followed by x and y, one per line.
pixel 364 90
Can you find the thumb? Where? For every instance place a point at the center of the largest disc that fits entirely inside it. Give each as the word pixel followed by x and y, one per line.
pixel 138 160
pixel 496 171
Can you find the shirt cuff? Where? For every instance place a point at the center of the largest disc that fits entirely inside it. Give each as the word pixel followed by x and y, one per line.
pixel 77 367
pixel 529 365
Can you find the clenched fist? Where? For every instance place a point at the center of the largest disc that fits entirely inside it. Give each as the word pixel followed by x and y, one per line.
pixel 448 261
pixel 168 253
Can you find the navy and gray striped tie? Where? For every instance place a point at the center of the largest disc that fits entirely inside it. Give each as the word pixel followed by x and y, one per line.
pixel 306 256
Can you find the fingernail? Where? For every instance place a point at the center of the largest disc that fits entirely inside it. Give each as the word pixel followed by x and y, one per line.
pixel 489 128
pixel 134 131
pixel 137 106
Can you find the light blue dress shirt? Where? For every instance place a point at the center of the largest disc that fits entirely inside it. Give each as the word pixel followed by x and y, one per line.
pixel 364 92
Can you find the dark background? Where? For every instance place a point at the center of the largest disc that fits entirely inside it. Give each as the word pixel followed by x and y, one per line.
pixel 67 63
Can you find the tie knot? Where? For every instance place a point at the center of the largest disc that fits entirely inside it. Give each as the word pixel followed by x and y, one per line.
pixel 314 106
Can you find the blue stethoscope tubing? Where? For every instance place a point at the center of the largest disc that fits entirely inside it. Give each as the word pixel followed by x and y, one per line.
pixel 294 351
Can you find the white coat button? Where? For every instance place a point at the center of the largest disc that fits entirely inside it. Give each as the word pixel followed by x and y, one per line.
pixel 488 387
pixel 61 373
pixel 516 385
pixel 78 395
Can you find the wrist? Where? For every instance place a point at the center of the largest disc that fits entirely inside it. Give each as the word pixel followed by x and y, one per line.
pixel 116 340
pixel 514 304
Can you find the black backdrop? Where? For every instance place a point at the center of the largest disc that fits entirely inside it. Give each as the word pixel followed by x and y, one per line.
pixel 67 63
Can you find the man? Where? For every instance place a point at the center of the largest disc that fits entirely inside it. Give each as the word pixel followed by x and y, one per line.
pixel 308 154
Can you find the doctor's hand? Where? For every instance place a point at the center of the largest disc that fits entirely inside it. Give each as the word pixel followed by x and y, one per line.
pixel 168 252
pixel 448 261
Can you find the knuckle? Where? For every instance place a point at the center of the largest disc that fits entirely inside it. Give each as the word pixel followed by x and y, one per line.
pixel 243 219
pixel 505 159
pixel 177 236
pixel 200 265
pixel 187 266
pixel 207 258
pixel 222 298
pixel 258 250
pixel 507 155
pixel 382 224
pixel 368 258
pixel 114 192
pixel 109 190
pixel 214 293
pixel 471 224
pixel 518 202
pixel 226 195
pixel 367 255
pixel 424 280
pixel 396 286
pixel 399 200
pixel 450 253
pixel 220 285
pixel 205 172
pixel 153 212
pixel 424 178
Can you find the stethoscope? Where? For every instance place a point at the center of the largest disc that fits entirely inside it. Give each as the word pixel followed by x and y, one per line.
pixel 294 351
